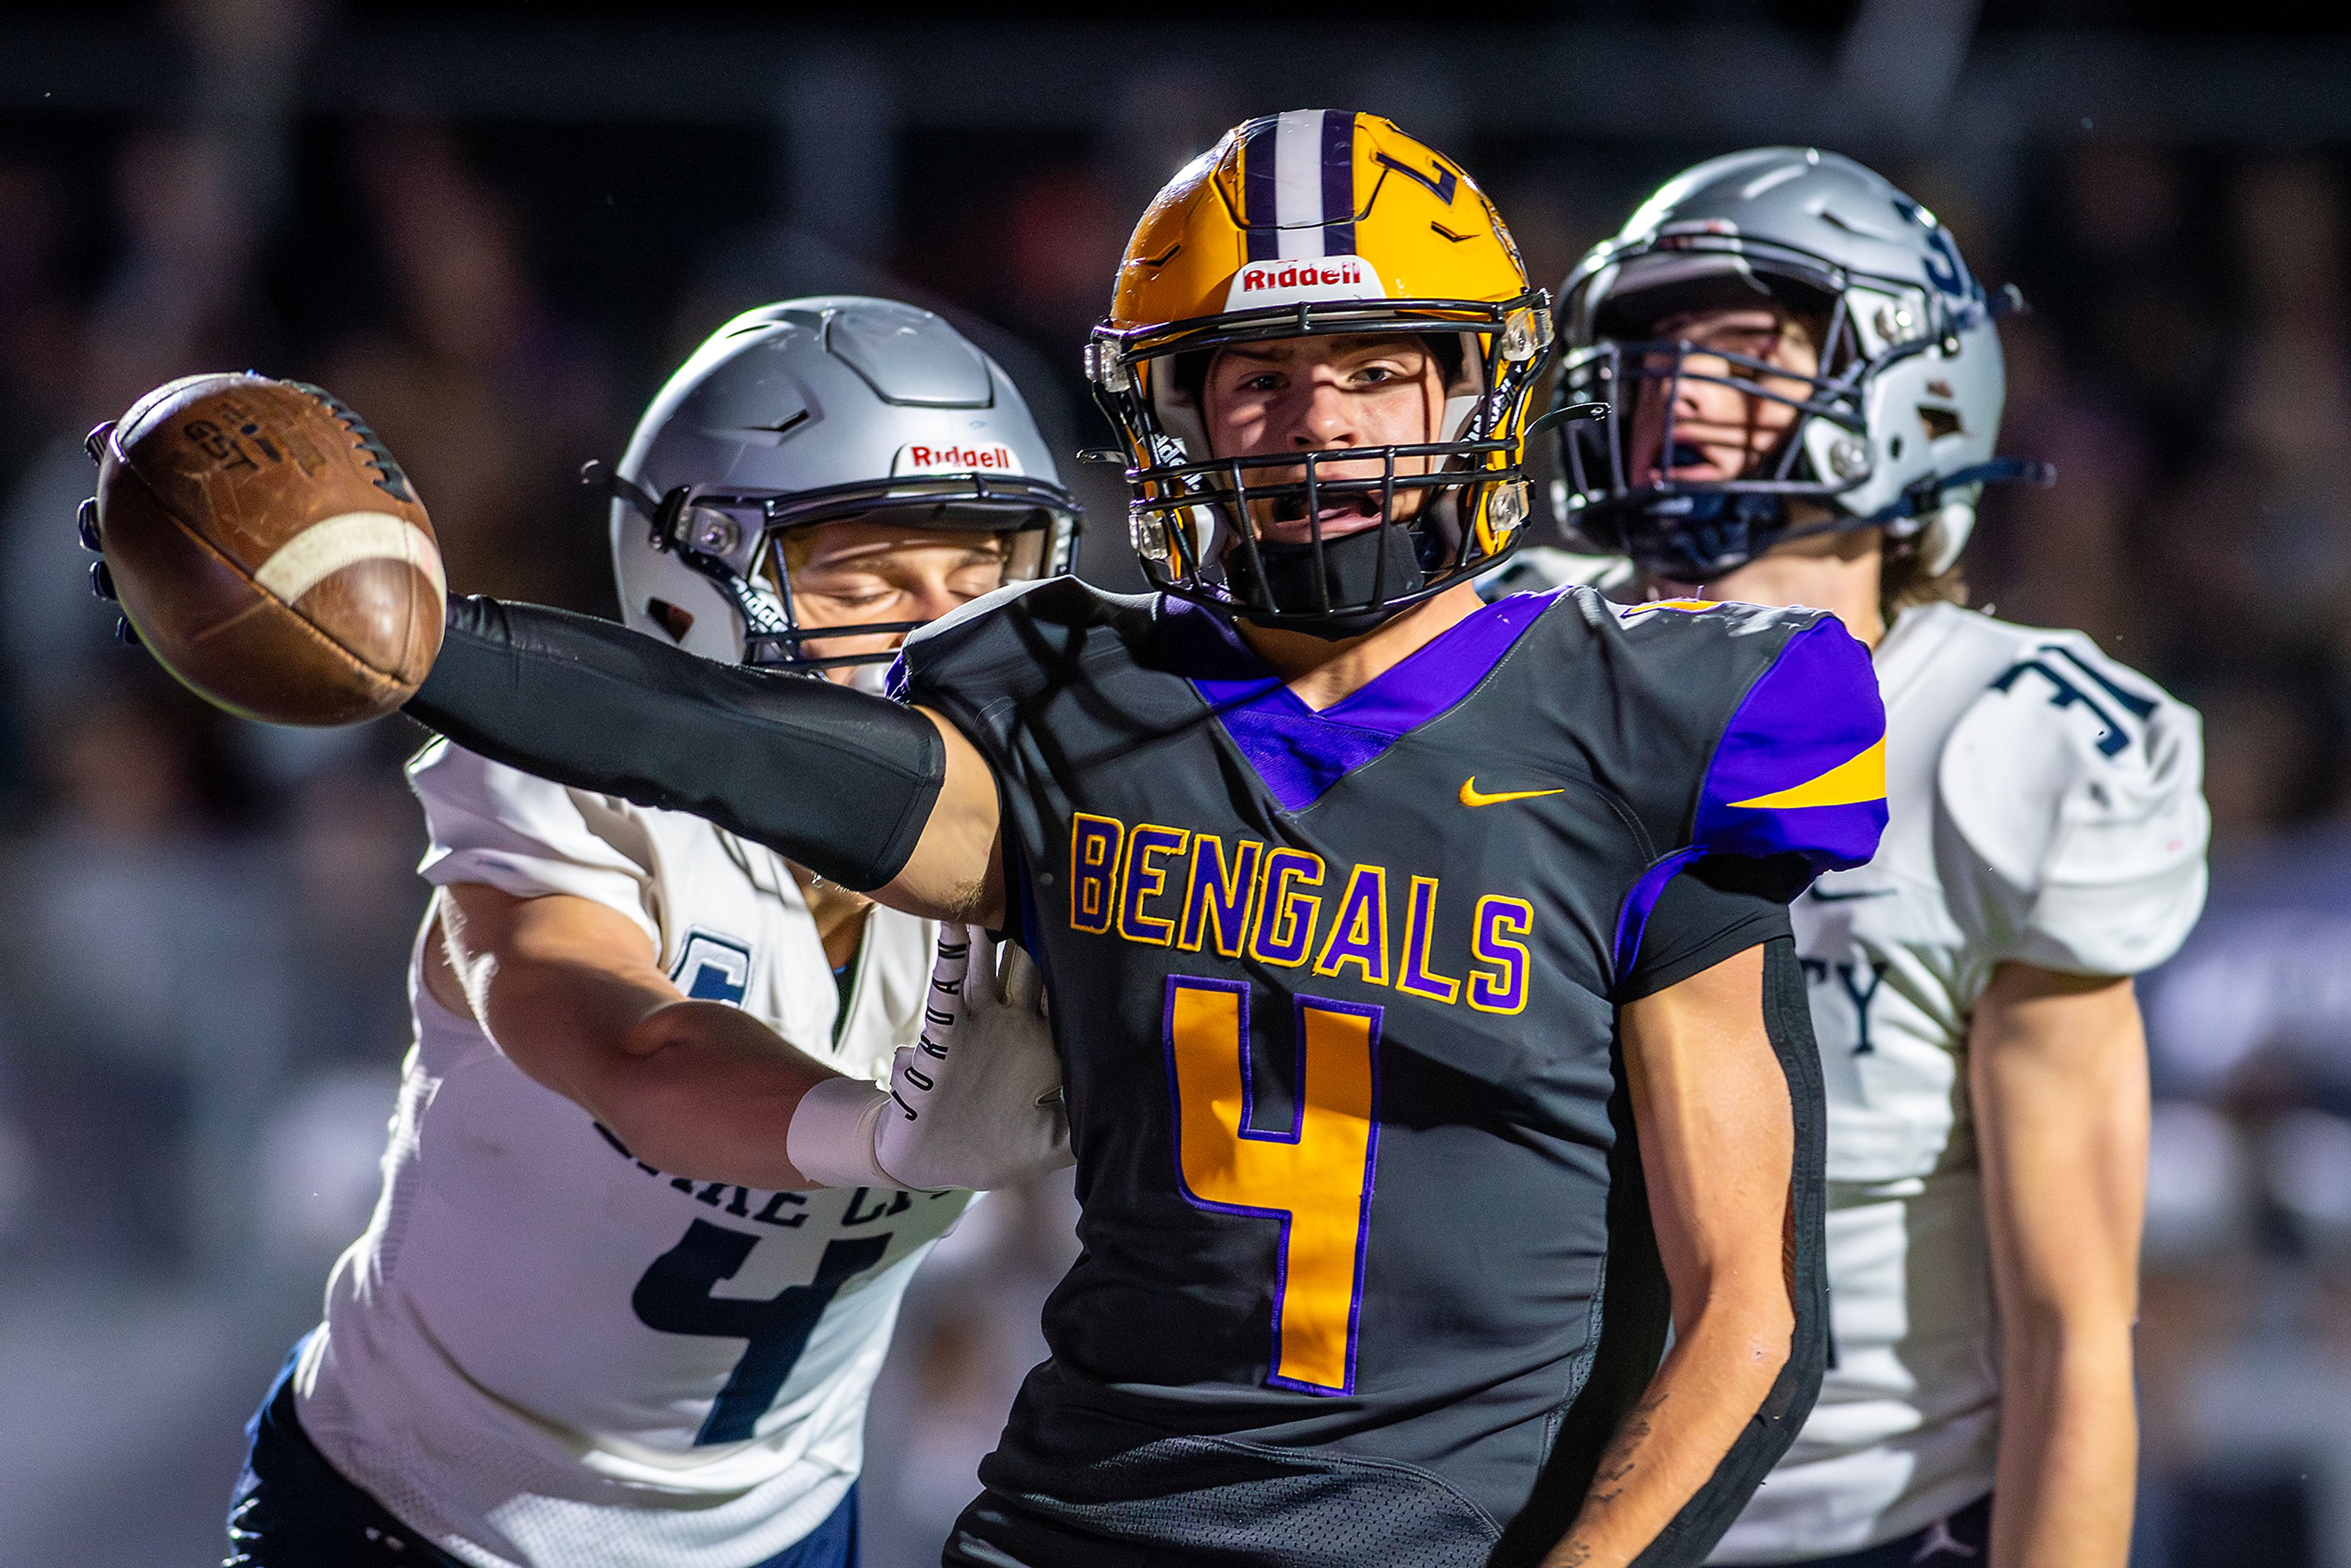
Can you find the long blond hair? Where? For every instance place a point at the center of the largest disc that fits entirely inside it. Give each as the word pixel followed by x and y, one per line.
pixel 1905 583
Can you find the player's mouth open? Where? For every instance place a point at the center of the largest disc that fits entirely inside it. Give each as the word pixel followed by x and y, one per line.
pixel 1343 508
pixel 1682 457
pixel 1683 460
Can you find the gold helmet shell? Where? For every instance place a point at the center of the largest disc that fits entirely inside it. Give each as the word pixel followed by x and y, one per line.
pixel 1307 223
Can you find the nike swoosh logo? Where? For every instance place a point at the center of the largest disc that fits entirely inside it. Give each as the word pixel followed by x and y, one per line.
pixel 1825 896
pixel 1473 796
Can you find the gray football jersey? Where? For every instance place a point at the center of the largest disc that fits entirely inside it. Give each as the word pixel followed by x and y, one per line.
pixel 1367 1268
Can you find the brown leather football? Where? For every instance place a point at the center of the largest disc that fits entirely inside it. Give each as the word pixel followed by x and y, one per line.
pixel 269 551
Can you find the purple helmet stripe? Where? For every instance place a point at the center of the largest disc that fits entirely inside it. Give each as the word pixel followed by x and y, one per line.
pixel 1338 182
pixel 1259 217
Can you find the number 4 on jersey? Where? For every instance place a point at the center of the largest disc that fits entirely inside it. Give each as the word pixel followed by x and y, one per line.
pixel 674 1297
pixel 1315 1178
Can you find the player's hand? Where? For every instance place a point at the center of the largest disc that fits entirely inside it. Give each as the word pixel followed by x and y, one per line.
pixel 101 580
pixel 977 1103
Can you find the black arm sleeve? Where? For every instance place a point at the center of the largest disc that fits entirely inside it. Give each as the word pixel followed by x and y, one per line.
pixel 840 781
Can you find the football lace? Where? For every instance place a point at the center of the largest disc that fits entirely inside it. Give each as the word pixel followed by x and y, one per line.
pixel 389 477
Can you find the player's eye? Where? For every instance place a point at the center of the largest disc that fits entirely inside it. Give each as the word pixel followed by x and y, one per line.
pixel 855 595
pixel 1752 345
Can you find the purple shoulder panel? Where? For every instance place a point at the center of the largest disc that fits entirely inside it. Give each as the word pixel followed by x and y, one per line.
pixel 1801 768
pixel 1641 902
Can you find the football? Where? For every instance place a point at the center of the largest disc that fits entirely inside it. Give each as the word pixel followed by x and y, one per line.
pixel 267 549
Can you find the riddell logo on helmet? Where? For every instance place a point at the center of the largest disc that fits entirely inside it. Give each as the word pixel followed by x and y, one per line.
pixel 1290 279
pixel 955 457
pixel 1299 275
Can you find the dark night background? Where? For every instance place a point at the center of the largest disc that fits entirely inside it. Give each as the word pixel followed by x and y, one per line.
pixel 495 227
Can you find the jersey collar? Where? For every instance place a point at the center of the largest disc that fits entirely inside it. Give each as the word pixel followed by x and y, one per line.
pixel 1300 752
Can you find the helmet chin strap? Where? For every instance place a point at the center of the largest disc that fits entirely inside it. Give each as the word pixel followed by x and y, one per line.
pixel 1704 536
pixel 1283 576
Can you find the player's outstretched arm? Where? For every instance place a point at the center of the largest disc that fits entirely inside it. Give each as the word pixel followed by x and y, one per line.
pixel 1712 1104
pixel 2057 1073
pixel 573 993
pixel 865 792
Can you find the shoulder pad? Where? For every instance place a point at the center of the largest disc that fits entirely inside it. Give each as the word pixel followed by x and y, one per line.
pixel 1723 616
pixel 526 836
pixel 2075 788
pixel 1800 768
pixel 447 777
pixel 980 634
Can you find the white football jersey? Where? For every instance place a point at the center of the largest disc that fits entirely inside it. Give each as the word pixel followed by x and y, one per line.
pixel 546 1353
pixel 2045 808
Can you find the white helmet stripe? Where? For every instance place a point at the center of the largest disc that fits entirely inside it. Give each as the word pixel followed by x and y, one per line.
pixel 1297 184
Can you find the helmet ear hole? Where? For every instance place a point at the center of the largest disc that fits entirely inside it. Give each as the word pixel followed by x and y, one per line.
pixel 1939 422
pixel 1178 389
pixel 1188 375
pixel 677 622
pixel 1453 352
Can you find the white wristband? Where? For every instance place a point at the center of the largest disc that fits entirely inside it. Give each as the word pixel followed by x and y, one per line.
pixel 831 1140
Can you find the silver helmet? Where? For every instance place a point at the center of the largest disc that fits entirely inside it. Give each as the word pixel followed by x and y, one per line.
pixel 1894 431
pixel 816 411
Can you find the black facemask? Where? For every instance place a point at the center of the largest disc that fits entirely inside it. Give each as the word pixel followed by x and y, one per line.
pixel 1351 567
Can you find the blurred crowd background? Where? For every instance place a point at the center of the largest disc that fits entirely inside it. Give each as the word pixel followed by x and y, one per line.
pixel 495 227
